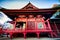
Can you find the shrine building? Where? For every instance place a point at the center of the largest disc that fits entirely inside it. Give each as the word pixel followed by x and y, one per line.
pixel 31 19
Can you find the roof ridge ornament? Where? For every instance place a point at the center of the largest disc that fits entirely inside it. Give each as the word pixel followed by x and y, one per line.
pixel 29 6
pixel 29 1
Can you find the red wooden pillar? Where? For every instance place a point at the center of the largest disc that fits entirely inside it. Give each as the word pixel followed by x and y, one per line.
pixel 56 28
pixel 51 31
pixel 1 30
pixel 39 19
pixel 49 27
pixel 24 35
pixel 11 33
pixel 15 23
pixel 37 34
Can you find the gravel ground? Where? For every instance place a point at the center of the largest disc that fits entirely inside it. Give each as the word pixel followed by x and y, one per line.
pixel 4 38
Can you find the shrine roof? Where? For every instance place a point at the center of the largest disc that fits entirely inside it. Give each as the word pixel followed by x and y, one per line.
pixel 29 8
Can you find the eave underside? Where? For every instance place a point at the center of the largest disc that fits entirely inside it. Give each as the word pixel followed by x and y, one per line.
pixel 14 13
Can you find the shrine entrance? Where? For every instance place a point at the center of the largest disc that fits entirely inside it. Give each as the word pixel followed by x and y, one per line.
pixel 20 25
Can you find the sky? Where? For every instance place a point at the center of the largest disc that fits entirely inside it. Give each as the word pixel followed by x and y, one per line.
pixel 18 4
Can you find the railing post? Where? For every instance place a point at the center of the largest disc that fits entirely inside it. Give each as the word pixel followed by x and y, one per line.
pixel 48 24
pixel 56 27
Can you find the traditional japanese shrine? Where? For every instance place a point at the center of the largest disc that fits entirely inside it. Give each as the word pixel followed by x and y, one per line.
pixel 30 19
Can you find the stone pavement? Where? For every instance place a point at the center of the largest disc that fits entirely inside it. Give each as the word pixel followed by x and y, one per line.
pixel 4 38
